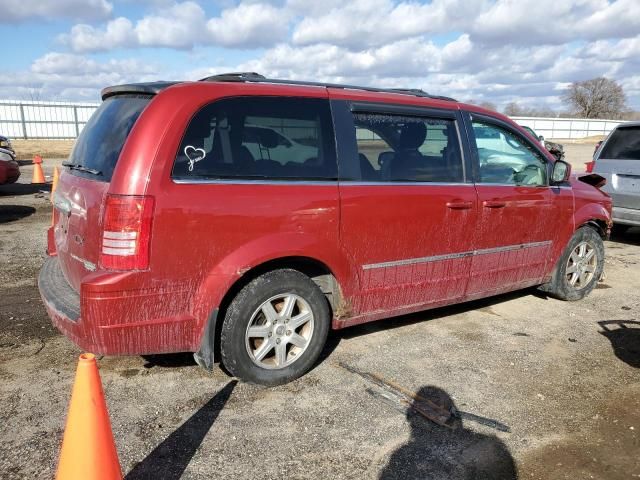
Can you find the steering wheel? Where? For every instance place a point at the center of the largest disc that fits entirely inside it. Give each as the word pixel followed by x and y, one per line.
pixel 522 174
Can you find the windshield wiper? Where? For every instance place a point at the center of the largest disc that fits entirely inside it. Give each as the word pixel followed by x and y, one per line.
pixel 81 168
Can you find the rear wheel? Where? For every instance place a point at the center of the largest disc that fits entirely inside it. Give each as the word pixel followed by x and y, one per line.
pixel 275 328
pixel 579 268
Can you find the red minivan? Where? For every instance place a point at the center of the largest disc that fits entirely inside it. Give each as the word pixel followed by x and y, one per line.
pixel 241 218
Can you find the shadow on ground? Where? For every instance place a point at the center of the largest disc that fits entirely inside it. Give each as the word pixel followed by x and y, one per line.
pixel 16 189
pixel 11 213
pixel 170 360
pixel 484 304
pixel 452 452
pixel 624 336
pixel 629 236
pixel 171 457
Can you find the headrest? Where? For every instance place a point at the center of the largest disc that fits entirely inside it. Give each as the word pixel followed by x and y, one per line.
pixel 200 130
pixel 412 135
pixel 268 138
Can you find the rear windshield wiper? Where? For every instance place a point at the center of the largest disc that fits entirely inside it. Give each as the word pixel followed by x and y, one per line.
pixel 81 168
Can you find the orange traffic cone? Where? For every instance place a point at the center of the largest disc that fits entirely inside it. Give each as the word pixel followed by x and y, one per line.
pixel 88 451
pixel 54 185
pixel 38 175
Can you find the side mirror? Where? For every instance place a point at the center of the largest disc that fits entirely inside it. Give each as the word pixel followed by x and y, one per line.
pixel 561 172
pixel 541 138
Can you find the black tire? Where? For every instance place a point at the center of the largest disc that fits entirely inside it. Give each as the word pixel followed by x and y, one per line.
pixel 559 286
pixel 233 347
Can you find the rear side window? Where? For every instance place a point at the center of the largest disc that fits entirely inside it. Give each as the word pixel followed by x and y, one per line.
pixel 259 138
pixel 99 145
pixel 397 148
pixel 624 144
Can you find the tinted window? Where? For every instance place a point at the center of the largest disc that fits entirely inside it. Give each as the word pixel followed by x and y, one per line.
pixel 102 138
pixel 393 148
pixel 624 144
pixel 259 138
pixel 507 158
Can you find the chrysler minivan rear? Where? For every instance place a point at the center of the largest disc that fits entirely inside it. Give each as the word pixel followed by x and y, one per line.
pixel 99 239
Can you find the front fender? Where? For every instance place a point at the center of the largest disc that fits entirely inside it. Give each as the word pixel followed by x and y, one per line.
pixel 593 211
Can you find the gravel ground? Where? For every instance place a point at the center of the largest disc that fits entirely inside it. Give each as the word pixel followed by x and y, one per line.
pixel 566 386
pixel 577 154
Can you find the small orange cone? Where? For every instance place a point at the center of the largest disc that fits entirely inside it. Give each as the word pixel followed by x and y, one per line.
pixel 54 185
pixel 88 451
pixel 38 175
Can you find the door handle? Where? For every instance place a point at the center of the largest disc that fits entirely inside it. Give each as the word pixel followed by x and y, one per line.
pixel 459 205
pixel 494 203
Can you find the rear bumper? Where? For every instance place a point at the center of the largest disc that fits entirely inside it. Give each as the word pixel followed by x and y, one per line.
pixel 626 216
pixel 106 319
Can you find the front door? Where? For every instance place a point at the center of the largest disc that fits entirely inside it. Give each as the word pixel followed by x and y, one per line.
pixel 520 217
pixel 408 211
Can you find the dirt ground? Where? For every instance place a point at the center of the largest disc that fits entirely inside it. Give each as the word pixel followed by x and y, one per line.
pixel 550 389
pixel 27 149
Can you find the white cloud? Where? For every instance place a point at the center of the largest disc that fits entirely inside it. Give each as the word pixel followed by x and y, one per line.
pixel 537 22
pixel 618 19
pixel 86 38
pixel 65 76
pixel 72 64
pixel 534 76
pixel 24 10
pixel 184 25
pixel 249 25
pixel 179 26
pixel 500 51
pixel 606 50
pixel 366 23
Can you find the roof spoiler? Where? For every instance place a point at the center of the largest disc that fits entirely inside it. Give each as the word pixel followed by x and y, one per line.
pixel 149 88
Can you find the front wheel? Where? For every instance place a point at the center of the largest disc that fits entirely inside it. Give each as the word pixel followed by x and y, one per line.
pixel 275 328
pixel 579 268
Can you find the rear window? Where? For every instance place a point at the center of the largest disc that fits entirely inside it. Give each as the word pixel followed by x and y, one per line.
pixel 624 144
pixel 259 138
pixel 102 138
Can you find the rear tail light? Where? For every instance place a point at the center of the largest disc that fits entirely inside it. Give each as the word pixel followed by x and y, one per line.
pixel 590 166
pixel 126 232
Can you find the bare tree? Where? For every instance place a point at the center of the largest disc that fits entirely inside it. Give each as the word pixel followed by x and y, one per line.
pixel 32 93
pixel 631 115
pixel 488 105
pixel 484 104
pixel 596 98
pixel 514 109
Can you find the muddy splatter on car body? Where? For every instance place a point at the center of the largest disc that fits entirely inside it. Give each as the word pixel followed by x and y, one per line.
pixel 174 224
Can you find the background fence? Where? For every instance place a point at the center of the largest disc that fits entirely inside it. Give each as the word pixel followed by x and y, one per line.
pixel 66 120
pixel 567 127
pixel 43 119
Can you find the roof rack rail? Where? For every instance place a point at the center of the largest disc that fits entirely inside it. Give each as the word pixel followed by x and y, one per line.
pixel 235 77
pixel 253 77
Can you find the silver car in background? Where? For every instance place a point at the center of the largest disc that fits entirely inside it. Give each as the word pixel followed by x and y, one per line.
pixel 618 160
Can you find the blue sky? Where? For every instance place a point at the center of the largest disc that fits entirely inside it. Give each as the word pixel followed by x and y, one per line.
pixel 483 50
